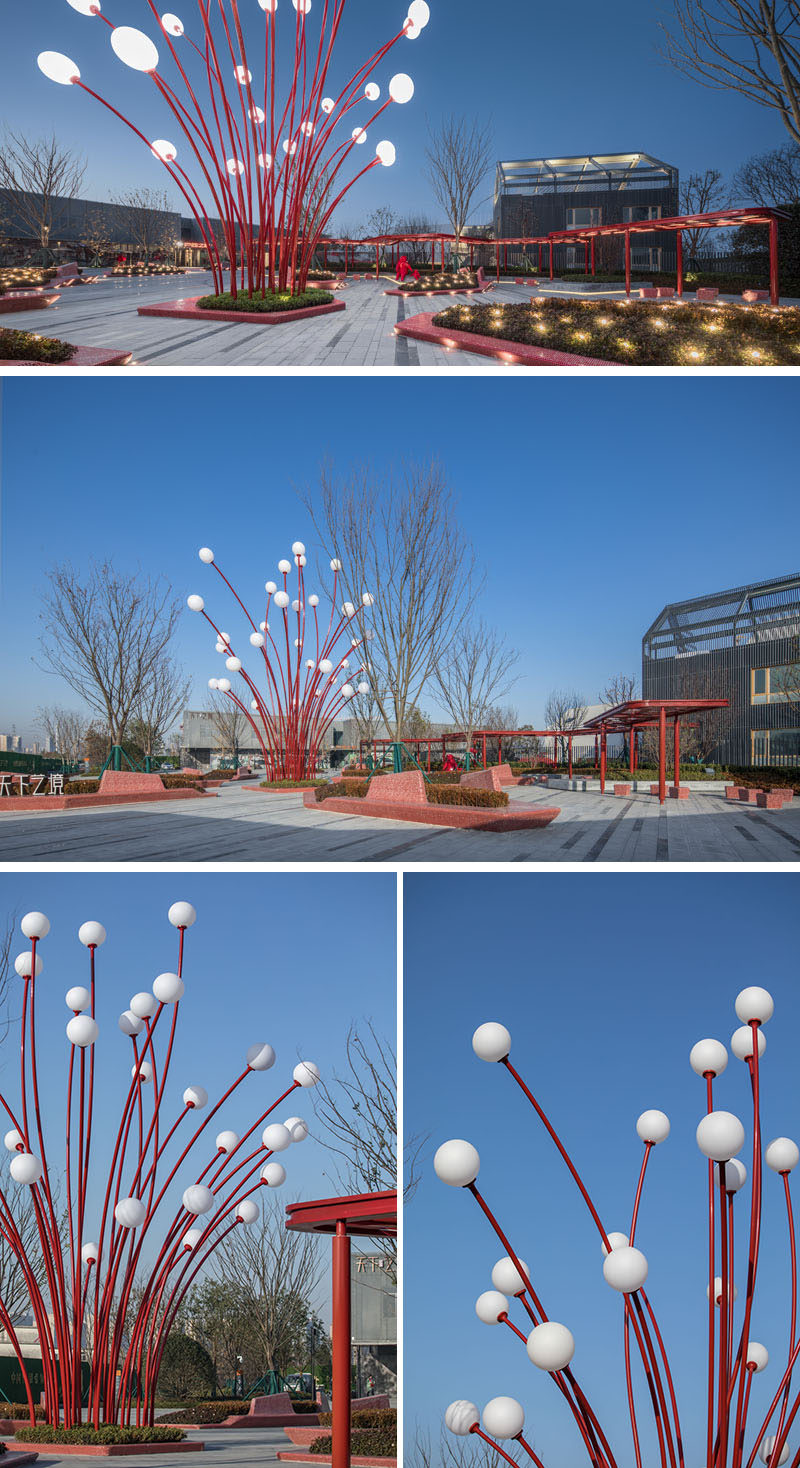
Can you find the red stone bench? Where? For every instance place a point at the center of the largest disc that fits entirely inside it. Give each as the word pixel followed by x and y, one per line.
pixel 648 292
pixel 770 800
pixel 493 778
pixel 681 793
pixel 733 792
pixel 751 296
pixel 749 796
pixel 785 791
pixel 665 292
pixel 707 292
pixel 130 782
pixel 622 789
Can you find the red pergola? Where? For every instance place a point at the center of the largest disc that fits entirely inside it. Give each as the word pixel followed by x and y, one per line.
pixel 362 1215
pixel 648 713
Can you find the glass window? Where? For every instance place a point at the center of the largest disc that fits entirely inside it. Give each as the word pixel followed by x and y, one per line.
pixel 776 685
pixel 583 218
pixel 776 746
pixel 631 213
pixel 760 685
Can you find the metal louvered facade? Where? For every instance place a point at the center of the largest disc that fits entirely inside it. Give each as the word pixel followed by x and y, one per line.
pixel 723 645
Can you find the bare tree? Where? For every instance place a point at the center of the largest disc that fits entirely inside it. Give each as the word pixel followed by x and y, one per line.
pixel 365 711
pixel 459 153
pixel 107 635
pixel 160 701
pixel 145 222
pixel 770 178
pixel 230 726
pixel 620 688
pixel 66 730
pixel 454 1452
pixel 277 1271
pixel 382 220
pixel 746 46
pixel 413 224
pixel 96 235
pixel 565 709
pixel 699 194
pixel 475 670
pixel 399 540
pixel 40 178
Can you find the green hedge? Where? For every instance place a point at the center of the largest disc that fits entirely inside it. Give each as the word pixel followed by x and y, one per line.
pixel 650 772
pixel 463 795
pixel 269 301
pixel 208 1412
pixel 356 789
pixel 764 776
pixel 26 346
pixel 382 1418
pixel 20 1409
pixel 289 784
pixel 363 1443
pixel 102 1436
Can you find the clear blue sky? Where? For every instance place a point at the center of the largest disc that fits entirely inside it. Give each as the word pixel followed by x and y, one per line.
pixel 550 87
pixel 293 959
pixel 591 503
pixel 605 984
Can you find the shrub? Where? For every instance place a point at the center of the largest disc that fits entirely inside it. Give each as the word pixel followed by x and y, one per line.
pixel 762 777
pixel 20 1409
pixel 377 1417
pixel 101 1436
pixel 269 301
pixel 289 784
pixel 208 1412
pixel 218 775
pixel 462 795
pixel 618 771
pixel 186 1368
pixel 26 346
pixel 353 788
pixel 364 1443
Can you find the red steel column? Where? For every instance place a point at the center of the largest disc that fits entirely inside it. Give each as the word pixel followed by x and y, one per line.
pixel 540 257
pixel 586 257
pixel 505 259
pixel 602 759
pixel 340 1331
pixel 679 259
pixel 484 751
pixel 569 754
pixel 627 262
pixel 632 751
pixel 377 261
pixel 774 283
pixel 550 243
pixel 593 255
pixel 497 257
pixel 662 754
pixel 676 754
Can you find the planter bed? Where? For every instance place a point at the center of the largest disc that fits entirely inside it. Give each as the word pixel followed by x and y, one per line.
pixel 303 1436
pixel 283 789
pixel 112 1450
pixel 421 328
pixel 454 290
pixel 461 817
pixel 187 310
pixel 26 301
pixel 33 803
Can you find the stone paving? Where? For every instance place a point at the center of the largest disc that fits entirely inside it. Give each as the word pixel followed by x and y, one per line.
pixel 241 826
pixel 224 1447
pixel 105 315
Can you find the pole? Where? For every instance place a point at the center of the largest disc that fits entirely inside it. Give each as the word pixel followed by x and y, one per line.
pixel 662 754
pixel 497 258
pixel 676 754
pixel 602 759
pixel 593 255
pixel 484 751
pixel 627 262
pixel 341 1330
pixel 679 258
pixel 377 261
pixel 774 283
pixel 569 754
pixel 550 243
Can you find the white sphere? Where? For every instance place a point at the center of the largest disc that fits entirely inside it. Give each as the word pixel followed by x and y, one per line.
pixel 742 1043
pixel 198 1199
pixel 58 68
pixel 457 1163
pixel 273 1174
pixel 144 1004
pixel 757 1355
pixel 35 925
pixel 276 1137
pixel 195 603
pixel 782 1155
pixel 372 92
pixel 13 1139
pixel 196 1097
pixel 653 1126
pixel 243 76
pixel 359 135
pixel 234 166
pixel 89 1252
pixel 327 104
pixel 326 666
pixel 490 1305
pixel 224 637
pixel 206 555
pixel 182 915
pixel 491 1041
pixel 82 1031
pixel 732 1293
pixel 226 1141
pixel 25 1168
pixel 363 688
pixel 254 705
pixel 142 1072
pixel 625 1269
pixel 306 1073
pixel 754 1004
pixel 461 1417
pixel 708 1055
pixel 336 564
pixel 297 1128
pixel 260 1056
pixel 77 998
pixel 270 587
pixel 168 988
pixel 617 1241
pixel 348 691
pixel 348 609
pixel 91 935
pixel 720 1135
pixel 735 1174
pixel 503 1417
pixel 281 600
pixel 257 639
pixel 284 567
pixel 130 1212
pixel 85 7
pixel 367 599
pixel 298 549
pixel 192 1238
pixel 419 11
pixel 173 25
pixel 233 665
pixel 551 1346
pixel 130 1023
pixel 401 88
pixel 166 151
pixel 313 601
pixel 247 1211
pixel 507 1278
pixel 224 685
pixel 24 965
pixel 296 605
pixel 213 683
pixel 386 152
pixel 134 48
pixel 766 1448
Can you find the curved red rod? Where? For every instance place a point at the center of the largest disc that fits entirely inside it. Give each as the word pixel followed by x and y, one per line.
pixel 626 1331
pixel 755 1220
pixel 494 1446
pixel 708 1076
pixel 780 1433
pixel 724 1322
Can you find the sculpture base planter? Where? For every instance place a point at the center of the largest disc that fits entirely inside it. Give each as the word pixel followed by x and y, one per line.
pixel 117 787
pixel 109 1450
pixel 188 310
pixel 403 797
pixel 26 301
pixel 516 354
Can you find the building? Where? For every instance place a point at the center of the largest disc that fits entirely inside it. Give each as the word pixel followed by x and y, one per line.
pixel 85 228
pixel 10 742
pixel 374 1324
pixel 537 196
pixel 743 645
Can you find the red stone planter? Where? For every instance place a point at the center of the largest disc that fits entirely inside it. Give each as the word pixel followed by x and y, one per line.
pixel 459 816
pixel 31 804
pixel 26 301
pixel 749 797
pixel 770 800
pixel 187 310
pixel 519 354
pixel 680 794
pixel 81 357
pixel 468 290
pixel 113 1450
pixel 494 778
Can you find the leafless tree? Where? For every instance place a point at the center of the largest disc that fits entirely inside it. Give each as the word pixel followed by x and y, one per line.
pixel 230 726
pixel 770 178
pixel 42 178
pixel 160 701
pixel 411 224
pixel 459 153
pixel 107 635
pixel 365 711
pixel 277 1271
pixel 504 716
pixel 96 235
pixel 454 1452
pixel 620 688
pixel 145 222
pixel 746 46
pixel 565 709
pixel 382 220
pixel 399 539
pixel 700 193
pixel 66 730
pixel 475 670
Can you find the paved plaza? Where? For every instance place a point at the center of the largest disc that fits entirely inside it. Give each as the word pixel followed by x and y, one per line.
pixel 238 825
pixel 226 1447
pixel 105 315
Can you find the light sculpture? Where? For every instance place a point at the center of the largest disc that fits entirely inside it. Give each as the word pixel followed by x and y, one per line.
pixel 733 1358
pixel 308 666
pixel 255 126
pixel 81 1288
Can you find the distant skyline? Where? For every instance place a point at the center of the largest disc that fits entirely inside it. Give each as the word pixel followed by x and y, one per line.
pixel 591 503
pixel 544 88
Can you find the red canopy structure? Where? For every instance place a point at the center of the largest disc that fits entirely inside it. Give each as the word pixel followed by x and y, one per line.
pixel 361 1215
pixel 647 713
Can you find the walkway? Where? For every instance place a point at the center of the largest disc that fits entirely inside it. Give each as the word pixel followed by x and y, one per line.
pixel 240 826
pixel 225 1447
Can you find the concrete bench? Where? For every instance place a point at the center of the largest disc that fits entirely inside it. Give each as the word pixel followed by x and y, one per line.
pixel 751 296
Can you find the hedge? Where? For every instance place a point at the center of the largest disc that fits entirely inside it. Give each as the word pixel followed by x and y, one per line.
pixel 650 772
pixel 101 1436
pixel 363 1443
pixel 20 1409
pixel 26 346
pixel 170 782
pixel 356 789
pixel 208 1412
pixel 268 302
pixel 289 784
pixel 463 795
pixel 373 1417
pixel 764 777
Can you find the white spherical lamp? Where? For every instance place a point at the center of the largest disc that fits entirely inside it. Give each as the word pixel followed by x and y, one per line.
pixel 134 48
pixel 142 1072
pixel 144 1004
pixel 233 665
pixel 735 1174
pixel 551 1346
pixel 401 88
pixel 25 966
pixel 720 1135
pixel 742 1043
pixel 192 1238
pixel 313 600
pixel 297 1128
pixel 260 1056
pixel 754 1003
pixel 82 1031
pixel 198 1199
pixel 224 685
pixel 130 1023
pixel 306 1073
pixel 372 91
pixel 173 26
pixel 58 68
pixel 653 1126
pixel 386 152
pixel 419 12
pixel 491 1041
pixel 507 1278
pixel 625 1269
pixel 227 1141
pixel 456 1163
pixel 281 600
pixel 166 152
pixel 247 1211
pixel 273 1175
pixel 91 935
pixel 767 1448
pixel 182 915
pixel 490 1306
pixel 757 1356
pixel 326 666
pixel 733 1293
pixel 782 1155
pixel 13 1140
pixel 460 1417
pixel 256 639
pixel 503 1417
pixel 276 1137
pixel 196 1097
pixel 35 925
pixel 77 998
pixel 298 548
pixel 130 1212
pixel 195 603
pixel 616 1240
pixel 25 1169
pixel 90 1252
pixel 708 1057
pixel 85 7
pixel 168 988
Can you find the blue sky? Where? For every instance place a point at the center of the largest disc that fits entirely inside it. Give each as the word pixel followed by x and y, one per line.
pixel 605 984
pixel 293 959
pixel 590 503
pixel 548 87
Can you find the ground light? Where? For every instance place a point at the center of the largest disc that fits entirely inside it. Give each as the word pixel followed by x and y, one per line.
pixel 732 1362
pixel 81 1269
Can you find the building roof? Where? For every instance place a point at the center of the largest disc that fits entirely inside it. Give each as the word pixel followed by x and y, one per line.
pixel 638 713
pixel 763 611
pixel 584 173
pixel 370 1215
